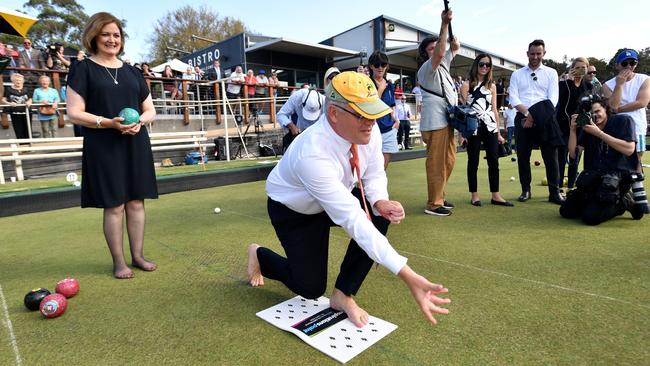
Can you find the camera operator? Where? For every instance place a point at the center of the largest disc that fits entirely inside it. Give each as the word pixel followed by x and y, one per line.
pixel 55 58
pixel 603 188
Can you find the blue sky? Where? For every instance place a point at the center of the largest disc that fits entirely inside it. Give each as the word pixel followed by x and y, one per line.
pixel 504 27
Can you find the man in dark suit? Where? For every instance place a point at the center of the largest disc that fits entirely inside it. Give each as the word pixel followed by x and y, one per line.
pixel 215 72
pixel 31 58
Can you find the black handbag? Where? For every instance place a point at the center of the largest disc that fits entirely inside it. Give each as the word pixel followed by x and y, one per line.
pixel 503 150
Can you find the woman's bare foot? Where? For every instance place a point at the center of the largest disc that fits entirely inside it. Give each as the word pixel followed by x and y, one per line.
pixel 144 265
pixel 253 270
pixel 122 273
pixel 342 302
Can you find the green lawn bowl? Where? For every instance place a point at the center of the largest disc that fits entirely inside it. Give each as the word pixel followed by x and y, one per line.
pixel 130 115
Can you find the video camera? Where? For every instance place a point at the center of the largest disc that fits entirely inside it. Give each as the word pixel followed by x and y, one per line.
pixel 584 115
pixel 52 49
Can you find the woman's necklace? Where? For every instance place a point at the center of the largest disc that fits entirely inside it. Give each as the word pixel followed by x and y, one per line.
pixel 111 75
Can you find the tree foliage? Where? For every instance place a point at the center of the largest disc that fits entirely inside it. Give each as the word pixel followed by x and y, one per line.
pixel 175 30
pixel 58 21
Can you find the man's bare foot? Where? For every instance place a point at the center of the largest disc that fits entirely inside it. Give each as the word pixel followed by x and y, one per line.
pixel 253 270
pixel 144 265
pixel 122 273
pixel 342 302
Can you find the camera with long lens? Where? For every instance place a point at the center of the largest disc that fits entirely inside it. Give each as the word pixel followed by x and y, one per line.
pixel 584 115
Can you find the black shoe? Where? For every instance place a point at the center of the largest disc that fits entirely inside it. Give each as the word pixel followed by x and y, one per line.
pixel 408 148
pixel 556 198
pixel 440 211
pixel 502 203
pixel 448 205
pixel 476 203
pixel 524 196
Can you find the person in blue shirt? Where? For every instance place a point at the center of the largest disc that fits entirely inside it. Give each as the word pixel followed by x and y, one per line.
pixel 47 114
pixel 389 123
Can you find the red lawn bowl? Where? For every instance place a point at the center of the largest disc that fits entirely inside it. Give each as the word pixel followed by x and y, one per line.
pixel 53 305
pixel 67 287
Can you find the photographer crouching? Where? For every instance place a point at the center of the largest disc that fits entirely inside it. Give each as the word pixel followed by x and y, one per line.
pixel 610 162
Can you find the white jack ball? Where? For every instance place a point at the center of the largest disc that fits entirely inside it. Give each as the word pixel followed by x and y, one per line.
pixel 217 210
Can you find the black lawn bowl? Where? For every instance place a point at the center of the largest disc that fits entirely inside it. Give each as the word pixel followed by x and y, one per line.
pixel 34 297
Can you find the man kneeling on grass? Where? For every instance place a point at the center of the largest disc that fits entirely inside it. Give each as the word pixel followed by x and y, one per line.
pixel 312 189
pixel 610 162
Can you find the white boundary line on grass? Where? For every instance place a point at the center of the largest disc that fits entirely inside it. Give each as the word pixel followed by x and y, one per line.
pixel 529 280
pixel 502 274
pixel 10 328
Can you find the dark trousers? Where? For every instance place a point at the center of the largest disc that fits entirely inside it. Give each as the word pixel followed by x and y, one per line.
pixel 578 204
pixel 491 142
pixel 564 159
pixel 305 239
pixel 525 138
pixel 403 132
pixel 19 123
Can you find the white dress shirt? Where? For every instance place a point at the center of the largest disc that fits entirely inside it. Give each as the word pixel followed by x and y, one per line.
pixel 315 176
pixel 524 89
pixel 402 111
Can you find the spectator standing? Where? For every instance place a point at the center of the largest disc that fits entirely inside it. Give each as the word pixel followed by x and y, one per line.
pixel 509 114
pixel 215 72
pixel 388 124
pixel 236 80
pixel 480 92
pixel 57 61
pixel 307 106
pixel 403 113
pixel 170 85
pixel 199 74
pixel 31 58
pixel 14 95
pixel 591 77
pixel 146 70
pixel 570 93
pixel 117 162
pixel 629 93
pixel 533 92
pixel 437 134
pixel 47 114
pixel 261 90
pixel 250 80
pixel 501 93
pixel 418 101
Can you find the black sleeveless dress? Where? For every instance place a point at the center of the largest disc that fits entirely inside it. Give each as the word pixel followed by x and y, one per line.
pixel 116 168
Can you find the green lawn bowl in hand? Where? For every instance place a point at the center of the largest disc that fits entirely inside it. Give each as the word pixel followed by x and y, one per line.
pixel 130 115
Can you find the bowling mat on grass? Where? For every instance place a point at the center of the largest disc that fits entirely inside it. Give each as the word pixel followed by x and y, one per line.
pixel 324 328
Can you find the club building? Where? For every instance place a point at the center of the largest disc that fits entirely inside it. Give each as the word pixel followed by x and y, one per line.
pixel 297 62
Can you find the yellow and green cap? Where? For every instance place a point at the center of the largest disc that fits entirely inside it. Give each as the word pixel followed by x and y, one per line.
pixel 359 92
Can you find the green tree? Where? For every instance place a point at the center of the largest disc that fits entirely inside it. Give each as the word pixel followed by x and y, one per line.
pixel 58 21
pixel 175 30
pixel 560 67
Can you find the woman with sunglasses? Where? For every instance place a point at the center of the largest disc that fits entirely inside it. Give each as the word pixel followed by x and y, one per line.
pixel 480 92
pixel 388 124
pixel 570 91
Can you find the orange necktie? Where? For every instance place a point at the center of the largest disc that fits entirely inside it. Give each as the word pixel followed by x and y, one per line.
pixel 354 163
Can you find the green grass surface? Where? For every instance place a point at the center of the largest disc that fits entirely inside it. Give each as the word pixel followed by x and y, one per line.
pixel 528 288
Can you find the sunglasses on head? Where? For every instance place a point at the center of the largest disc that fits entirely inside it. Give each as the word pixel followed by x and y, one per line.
pixel 484 64
pixel 533 76
pixel 378 65
pixel 628 62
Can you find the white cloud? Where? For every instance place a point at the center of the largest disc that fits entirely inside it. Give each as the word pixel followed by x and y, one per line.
pixel 432 8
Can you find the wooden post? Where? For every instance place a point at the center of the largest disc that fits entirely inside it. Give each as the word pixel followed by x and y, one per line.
pixel 186 112
pixel 217 107
pixel 272 109
pixel 246 110
pixel 56 82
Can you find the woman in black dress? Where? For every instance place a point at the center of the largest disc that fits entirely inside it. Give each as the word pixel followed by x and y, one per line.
pixel 14 95
pixel 117 163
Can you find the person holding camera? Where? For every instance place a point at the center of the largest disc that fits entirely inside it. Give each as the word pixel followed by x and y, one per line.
pixel 480 93
pixel 610 162
pixel 570 93
pixel 437 133
pixel 534 94
pixel 55 58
